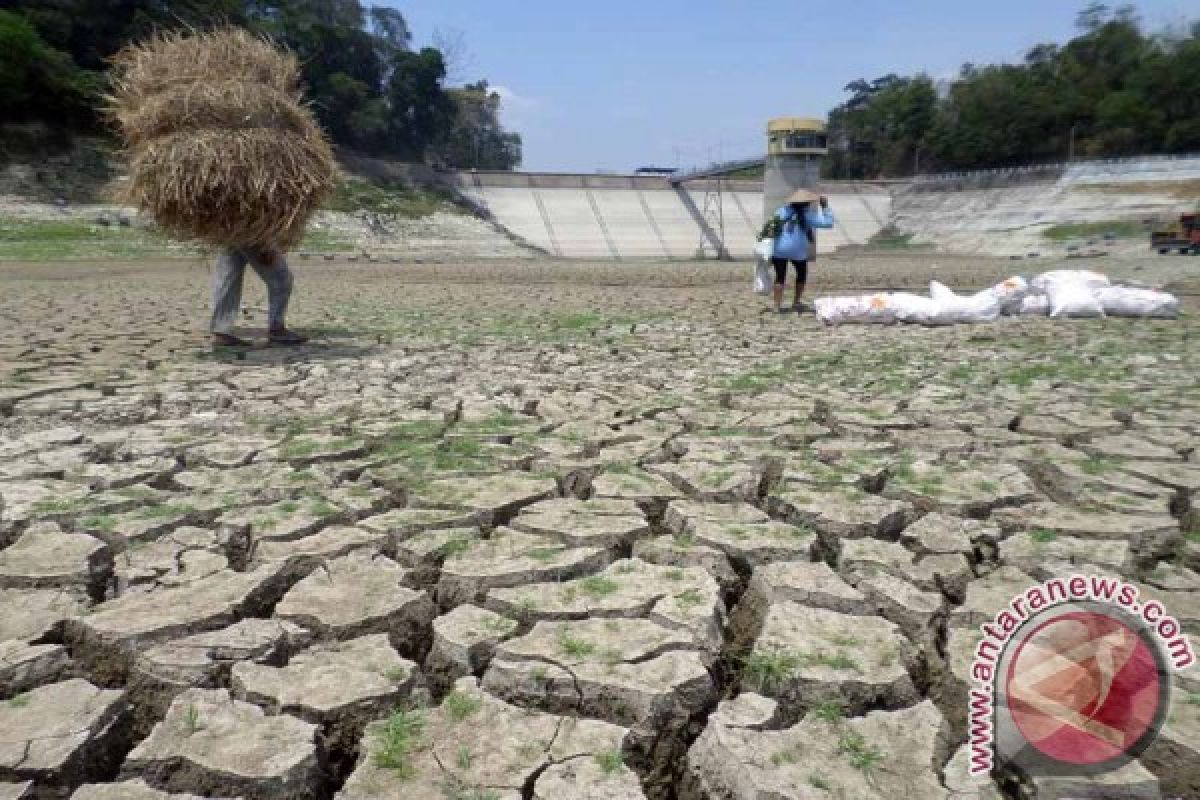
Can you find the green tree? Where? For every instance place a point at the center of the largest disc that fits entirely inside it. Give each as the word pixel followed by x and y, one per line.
pixel 476 139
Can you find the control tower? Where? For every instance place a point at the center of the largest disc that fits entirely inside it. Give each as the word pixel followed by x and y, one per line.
pixel 795 147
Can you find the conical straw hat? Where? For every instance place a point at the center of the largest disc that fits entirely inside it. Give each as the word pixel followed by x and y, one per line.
pixel 803 196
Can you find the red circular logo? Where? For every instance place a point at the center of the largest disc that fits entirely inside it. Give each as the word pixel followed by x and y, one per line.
pixel 1084 688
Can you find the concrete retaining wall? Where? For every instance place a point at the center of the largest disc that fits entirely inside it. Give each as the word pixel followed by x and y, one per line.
pixel 636 217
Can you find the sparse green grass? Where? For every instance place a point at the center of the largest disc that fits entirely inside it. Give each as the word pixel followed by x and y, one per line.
pixel 397 739
pixel 839 661
pixel 862 756
pixel 398 674
pixel 1042 536
pixel 598 586
pixel 465 759
pixel 1121 228
pixel 768 671
pixel 20 701
pixel 573 646
pixel 103 522
pixel 611 762
pixel 832 711
pixel 689 599
pixel 818 781
pixel 456 546
pixel 543 554
pixel 191 720
pixel 674 575
pixel 1096 465
pixel 782 757
pixel 499 625
pixel 357 194
pixel 460 705
pixel 23 239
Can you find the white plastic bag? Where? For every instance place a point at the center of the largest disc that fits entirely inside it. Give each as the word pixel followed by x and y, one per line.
pixel 1122 302
pixel 1009 293
pixel 1035 304
pixel 1084 277
pixel 913 309
pixel 950 308
pixel 765 249
pixel 871 309
pixel 764 277
pixel 1071 299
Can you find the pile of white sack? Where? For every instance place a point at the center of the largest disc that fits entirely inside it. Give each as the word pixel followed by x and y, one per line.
pixel 1058 294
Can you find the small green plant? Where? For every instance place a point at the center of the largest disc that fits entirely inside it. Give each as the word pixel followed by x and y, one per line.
pixel 460 705
pixel 1193 699
pixel 674 575
pixel 574 646
pixel 832 711
pixel 101 522
pixel 598 586
pixel 768 671
pixel 689 599
pixel 397 739
pixel 191 720
pixel 20 701
pixel 464 757
pixel 539 674
pixel 611 761
pixel 818 781
pixel 398 674
pixel 782 757
pixel 499 625
pixel 862 756
pixel 456 546
pixel 844 641
pixel 543 554
pixel 1042 536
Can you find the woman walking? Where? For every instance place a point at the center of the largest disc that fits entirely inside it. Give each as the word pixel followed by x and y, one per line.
pixel 796 241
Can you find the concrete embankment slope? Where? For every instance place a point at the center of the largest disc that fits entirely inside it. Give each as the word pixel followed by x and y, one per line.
pixel 628 217
pixel 1009 212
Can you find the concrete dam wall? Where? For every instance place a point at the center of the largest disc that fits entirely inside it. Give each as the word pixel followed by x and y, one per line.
pixel 635 217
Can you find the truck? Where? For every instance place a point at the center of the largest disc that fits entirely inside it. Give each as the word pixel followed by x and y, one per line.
pixel 1183 237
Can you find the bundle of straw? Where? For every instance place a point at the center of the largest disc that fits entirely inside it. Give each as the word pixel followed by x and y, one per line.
pixel 220 147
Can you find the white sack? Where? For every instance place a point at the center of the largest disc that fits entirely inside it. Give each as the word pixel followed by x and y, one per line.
pixel 1035 304
pixel 872 309
pixel 1084 277
pixel 1073 300
pixel 951 308
pixel 1009 293
pixel 1123 302
pixel 913 309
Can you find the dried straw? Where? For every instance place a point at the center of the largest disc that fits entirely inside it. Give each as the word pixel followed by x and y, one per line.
pixel 173 59
pixel 229 105
pixel 250 187
pixel 220 147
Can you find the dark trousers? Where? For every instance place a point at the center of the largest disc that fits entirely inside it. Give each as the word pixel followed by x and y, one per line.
pixel 781 265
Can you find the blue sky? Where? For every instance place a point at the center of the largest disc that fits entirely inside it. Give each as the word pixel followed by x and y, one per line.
pixel 618 84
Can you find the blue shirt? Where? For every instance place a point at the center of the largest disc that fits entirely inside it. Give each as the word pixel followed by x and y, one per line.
pixel 792 242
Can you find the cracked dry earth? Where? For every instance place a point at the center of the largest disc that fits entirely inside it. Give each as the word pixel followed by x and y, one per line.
pixel 549 533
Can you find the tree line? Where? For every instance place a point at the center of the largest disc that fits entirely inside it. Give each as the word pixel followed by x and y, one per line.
pixel 371 89
pixel 1112 90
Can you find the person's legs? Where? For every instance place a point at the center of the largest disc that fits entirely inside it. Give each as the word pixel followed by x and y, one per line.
pixel 273 269
pixel 780 265
pixel 227 294
pixel 801 280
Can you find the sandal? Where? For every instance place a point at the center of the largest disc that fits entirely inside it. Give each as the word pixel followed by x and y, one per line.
pixel 229 340
pixel 286 338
